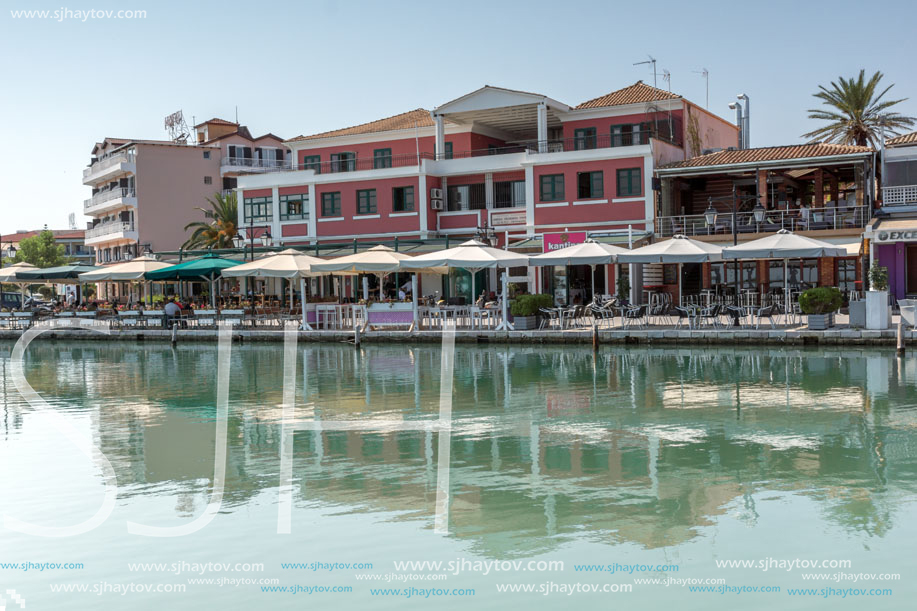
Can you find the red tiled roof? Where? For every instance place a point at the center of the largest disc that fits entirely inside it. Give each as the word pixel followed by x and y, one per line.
pixel 216 121
pixel 637 93
pixel 905 139
pixel 772 153
pixel 406 120
pixel 63 234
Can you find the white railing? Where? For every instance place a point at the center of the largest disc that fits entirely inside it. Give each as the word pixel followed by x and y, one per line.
pixel 103 164
pixel 256 164
pixel 109 228
pixel 806 219
pixel 106 196
pixel 902 195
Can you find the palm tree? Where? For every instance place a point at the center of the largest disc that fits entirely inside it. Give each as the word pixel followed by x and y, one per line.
pixel 856 114
pixel 221 229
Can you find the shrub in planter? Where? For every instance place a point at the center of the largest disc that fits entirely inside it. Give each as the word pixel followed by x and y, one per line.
pixel 878 277
pixel 623 283
pixel 820 304
pixel 525 310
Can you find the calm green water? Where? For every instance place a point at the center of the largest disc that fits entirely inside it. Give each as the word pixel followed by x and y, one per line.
pixel 654 457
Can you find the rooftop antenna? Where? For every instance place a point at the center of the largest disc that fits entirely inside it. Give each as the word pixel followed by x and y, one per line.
pixel 71 220
pixel 706 75
pixel 667 77
pixel 651 60
pixel 177 128
pixel 237 113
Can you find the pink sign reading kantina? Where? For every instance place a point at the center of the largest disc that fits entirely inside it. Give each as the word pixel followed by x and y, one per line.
pixel 556 241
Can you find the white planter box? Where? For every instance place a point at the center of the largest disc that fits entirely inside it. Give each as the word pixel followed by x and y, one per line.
pixel 878 313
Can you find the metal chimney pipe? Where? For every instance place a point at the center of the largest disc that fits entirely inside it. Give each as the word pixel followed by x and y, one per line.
pixel 744 97
pixel 736 106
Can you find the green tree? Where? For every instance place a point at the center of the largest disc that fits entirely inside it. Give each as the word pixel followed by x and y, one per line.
pixel 856 112
pixel 41 251
pixel 221 228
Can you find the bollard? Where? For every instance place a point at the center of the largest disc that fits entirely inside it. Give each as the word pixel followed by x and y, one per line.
pixel 356 336
pixel 174 334
pixel 900 337
pixel 595 337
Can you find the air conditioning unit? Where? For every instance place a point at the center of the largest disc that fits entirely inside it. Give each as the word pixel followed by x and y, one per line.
pixel 436 193
pixel 436 204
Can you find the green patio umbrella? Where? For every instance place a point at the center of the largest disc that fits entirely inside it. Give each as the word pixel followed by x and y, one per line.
pixel 207 268
pixel 64 274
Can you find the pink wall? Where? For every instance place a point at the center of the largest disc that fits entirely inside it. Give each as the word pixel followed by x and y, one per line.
pixel 290 190
pixel 385 223
pixel 295 230
pixel 404 146
pixel 603 125
pixel 472 219
pixel 570 171
pixel 712 131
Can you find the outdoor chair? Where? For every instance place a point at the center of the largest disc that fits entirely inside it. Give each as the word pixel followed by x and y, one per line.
pixel 635 316
pixel 548 317
pixel 767 313
pixel 710 315
pixel 684 315
pixel 736 313
pixel 602 314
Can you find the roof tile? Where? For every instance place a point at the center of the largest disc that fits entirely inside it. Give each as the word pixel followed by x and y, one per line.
pixel 406 120
pixel 637 93
pixel 905 139
pixel 772 153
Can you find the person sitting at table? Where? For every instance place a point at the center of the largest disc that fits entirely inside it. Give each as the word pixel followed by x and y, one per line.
pixel 172 310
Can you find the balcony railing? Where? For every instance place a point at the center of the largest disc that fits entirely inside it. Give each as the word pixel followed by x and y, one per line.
pixel 113 227
pixel 903 195
pixel 103 164
pixel 774 220
pixel 258 165
pixel 106 196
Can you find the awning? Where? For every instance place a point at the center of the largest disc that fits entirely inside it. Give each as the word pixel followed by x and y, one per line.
pixel 619 239
pixel 853 246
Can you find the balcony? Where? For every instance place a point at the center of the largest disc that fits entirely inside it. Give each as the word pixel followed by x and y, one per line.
pixel 249 165
pixel 808 219
pixel 108 200
pixel 901 195
pixel 109 167
pixel 111 230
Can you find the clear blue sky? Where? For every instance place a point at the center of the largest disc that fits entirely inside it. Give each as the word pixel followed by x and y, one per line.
pixel 304 67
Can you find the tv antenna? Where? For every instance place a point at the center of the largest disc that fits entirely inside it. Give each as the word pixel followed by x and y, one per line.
pixel 177 128
pixel 651 60
pixel 667 77
pixel 704 73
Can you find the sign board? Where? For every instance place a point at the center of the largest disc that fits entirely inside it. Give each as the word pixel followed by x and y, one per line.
pixel 556 241
pixel 507 218
pixel 908 235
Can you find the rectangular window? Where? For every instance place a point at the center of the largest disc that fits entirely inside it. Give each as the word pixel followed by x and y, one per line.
pixel 403 199
pixel 294 207
pixel 589 185
pixel 206 154
pixel 466 197
pixel 343 162
pixel 846 274
pixel 552 188
pixel 584 138
pixel 382 158
pixel 629 182
pixel 509 194
pixel 331 204
pixel 448 150
pixel 312 162
pixel 208 180
pixel 366 201
pixel 257 208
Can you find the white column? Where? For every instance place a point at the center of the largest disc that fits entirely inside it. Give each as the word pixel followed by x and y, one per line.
pixel 489 190
pixel 423 208
pixel 313 206
pixel 440 137
pixel 529 200
pixel 542 128
pixel 275 223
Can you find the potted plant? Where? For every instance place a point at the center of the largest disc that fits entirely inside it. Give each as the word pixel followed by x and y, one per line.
pixel 623 284
pixel 525 310
pixel 877 311
pixel 820 304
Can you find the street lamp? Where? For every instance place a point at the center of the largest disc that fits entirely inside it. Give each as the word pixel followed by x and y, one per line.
pixel 266 238
pixel 12 253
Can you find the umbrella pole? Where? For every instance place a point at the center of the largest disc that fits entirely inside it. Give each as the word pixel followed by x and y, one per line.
pixel 592 267
pixel 381 290
pixel 679 285
pixel 474 297
pixel 786 290
pixel 365 288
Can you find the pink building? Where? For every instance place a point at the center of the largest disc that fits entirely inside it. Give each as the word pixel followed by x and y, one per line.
pixel 512 164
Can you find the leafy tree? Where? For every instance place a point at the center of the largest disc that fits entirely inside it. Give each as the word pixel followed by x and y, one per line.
pixel 41 251
pixel 856 112
pixel 221 228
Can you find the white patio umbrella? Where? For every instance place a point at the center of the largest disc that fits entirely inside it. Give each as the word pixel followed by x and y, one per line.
pixel 379 260
pixel 589 253
pixel 472 256
pixel 784 245
pixel 124 272
pixel 288 264
pixel 679 249
pixel 8 275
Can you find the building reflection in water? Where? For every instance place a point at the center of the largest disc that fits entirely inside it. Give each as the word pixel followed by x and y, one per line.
pixel 634 445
